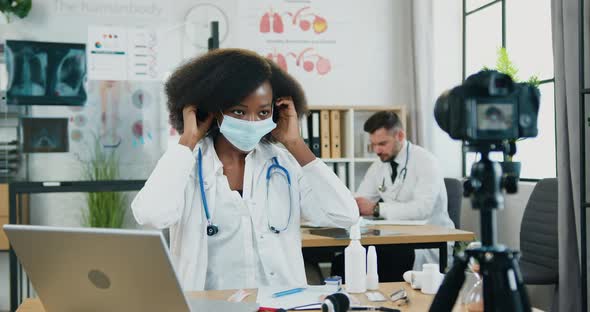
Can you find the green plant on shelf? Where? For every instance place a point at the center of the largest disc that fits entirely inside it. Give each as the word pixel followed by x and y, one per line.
pixel 105 209
pixel 505 66
pixel 19 8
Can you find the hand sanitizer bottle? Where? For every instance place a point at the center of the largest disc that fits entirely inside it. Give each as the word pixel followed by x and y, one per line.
pixel 355 263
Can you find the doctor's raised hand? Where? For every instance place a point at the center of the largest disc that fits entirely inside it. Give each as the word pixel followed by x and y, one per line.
pixel 287 131
pixel 194 130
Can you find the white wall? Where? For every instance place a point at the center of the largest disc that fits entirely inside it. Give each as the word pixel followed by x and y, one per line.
pixel 447 74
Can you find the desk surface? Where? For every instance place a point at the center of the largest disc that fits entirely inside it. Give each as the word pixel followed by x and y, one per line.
pixel 418 300
pixel 404 234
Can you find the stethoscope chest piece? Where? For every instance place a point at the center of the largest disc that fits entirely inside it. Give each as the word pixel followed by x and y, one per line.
pixel 274 230
pixel 212 229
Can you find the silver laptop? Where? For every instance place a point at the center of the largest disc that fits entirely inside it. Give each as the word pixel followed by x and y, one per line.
pixel 89 269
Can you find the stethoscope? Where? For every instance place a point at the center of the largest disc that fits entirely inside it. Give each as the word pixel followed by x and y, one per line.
pixel 402 173
pixel 213 229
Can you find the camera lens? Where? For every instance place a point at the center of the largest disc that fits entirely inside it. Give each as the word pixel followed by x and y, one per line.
pixel 441 111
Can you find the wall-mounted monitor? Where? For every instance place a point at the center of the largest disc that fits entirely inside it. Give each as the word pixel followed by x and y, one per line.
pixel 45 73
pixel 45 135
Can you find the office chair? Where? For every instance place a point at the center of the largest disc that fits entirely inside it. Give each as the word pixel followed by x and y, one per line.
pixel 454 196
pixel 538 237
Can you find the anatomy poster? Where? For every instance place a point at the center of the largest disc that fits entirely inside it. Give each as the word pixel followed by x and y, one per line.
pixel 311 40
pixel 120 117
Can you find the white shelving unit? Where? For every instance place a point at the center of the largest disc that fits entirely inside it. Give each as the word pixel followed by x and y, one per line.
pixel 355 141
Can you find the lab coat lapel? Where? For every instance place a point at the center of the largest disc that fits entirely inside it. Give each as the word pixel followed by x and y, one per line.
pixel 401 157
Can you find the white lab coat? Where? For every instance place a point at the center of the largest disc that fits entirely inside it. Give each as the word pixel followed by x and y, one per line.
pixel 420 196
pixel 245 246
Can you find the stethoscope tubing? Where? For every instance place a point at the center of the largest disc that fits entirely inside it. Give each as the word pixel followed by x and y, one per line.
pixel 212 229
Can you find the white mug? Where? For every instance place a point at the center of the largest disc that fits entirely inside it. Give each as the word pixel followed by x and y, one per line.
pixel 431 278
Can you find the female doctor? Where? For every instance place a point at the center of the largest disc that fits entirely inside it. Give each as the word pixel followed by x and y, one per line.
pixel 231 197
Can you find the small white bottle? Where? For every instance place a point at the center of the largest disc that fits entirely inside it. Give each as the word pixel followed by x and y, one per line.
pixel 372 275
pixel 355 263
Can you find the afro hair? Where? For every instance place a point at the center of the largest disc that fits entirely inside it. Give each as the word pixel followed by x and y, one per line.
pixel 221 79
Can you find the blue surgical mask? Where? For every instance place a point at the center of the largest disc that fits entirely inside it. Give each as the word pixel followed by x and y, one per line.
pixel 244 134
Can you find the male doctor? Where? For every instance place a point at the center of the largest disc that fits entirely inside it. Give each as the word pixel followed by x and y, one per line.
pixel 406 182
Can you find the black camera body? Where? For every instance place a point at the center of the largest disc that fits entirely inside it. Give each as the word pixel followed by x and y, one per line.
pixel 489 106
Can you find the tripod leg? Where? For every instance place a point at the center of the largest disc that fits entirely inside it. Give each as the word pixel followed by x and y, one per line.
pixel 488 287
pixel 445 298
pixel 524 297
pixel 503 286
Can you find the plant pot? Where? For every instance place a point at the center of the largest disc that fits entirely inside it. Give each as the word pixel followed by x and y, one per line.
pixel 511 168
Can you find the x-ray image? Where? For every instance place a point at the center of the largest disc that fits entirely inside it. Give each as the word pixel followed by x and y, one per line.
pixel 45 135
pixel 45 73
pixel 70 73
pixel 29 72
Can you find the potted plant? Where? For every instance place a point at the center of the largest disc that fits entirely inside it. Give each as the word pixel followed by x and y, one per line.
pixel 19 8
pixel 504 65
pixel 105 209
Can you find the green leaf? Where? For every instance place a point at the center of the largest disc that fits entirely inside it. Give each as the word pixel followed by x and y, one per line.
pixel 105 209
pixel 22 8
pixel 5 6
pixel 534 81
pixel 505 65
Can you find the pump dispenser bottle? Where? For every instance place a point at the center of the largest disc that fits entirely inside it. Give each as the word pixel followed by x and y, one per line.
pixel 355 263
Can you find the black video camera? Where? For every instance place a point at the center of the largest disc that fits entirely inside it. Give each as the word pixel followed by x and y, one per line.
pixel 489 107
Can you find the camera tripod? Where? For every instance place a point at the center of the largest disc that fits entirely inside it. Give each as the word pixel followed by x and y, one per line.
pixel 503 288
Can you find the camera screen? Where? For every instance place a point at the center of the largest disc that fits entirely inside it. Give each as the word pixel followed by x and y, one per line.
pixel 494 116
